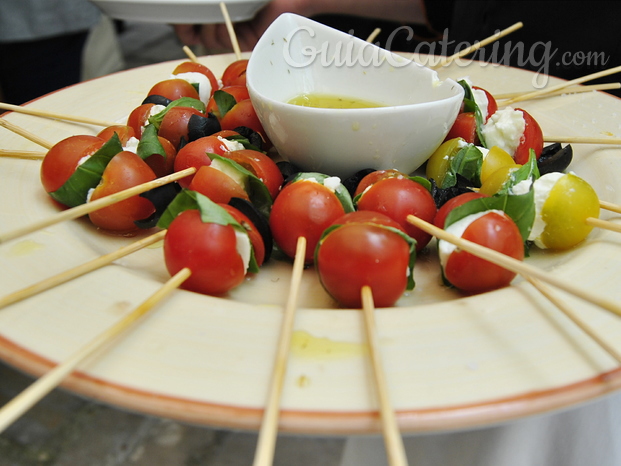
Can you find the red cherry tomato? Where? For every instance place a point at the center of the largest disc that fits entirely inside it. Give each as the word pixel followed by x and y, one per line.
pixel 125 170
pixel 532 138
pixel 138 118
pixel 239 93
pixel 64 157
pixel 451 204
pixel 470 273
pixel 217 185
pixel 124 132
pixel 209 250
pixel 374 177
pixel 303 208
pixel 243 114
pixel 235 74
pixel 465 127
pixel 174 89
pixel 492 105
pixel 255 237
pixel 163 166
pixel 358 254
pixel 398 198
pixel 261 166
pixel 194 154
pixel 174 125
pixel 193 67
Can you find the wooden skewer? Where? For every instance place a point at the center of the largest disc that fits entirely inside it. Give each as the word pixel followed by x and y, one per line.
pixel 89 207
pixel 477 45
pixel 568 90
pixel 392 438
pixel 562 306
pixel 22 154
pixel 374 34
pixel 514 265
pixel 31 395
pixel 231 30
pixel 582 140
pixel 55 116
pixel 563 85
pixel 599 223
pixel 80 270
pixel 264 454
pixel 610 206
pixel 26 134
pixel 190 54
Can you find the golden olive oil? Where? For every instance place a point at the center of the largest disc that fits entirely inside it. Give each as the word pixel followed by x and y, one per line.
pixel 331 101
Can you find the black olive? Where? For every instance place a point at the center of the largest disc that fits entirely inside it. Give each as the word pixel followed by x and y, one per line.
pixel 160 197
pixel 157 100
pixel 258 220
pixel 288 170
pixel 442 195
pixel 351 183
pixel 201 126
pixel 253 137
pixel 555 158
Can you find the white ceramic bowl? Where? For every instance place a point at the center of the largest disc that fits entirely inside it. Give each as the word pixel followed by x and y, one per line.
pixel 299 56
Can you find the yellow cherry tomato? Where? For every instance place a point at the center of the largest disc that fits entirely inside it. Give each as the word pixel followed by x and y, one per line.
pixel 439 162
pixel 495 181
pixel 495 159
pixel 570 202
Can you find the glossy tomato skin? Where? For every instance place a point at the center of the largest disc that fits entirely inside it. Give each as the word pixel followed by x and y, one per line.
pixel 193 67
pixel 303 208
pixel 174 89
pixel 216 185
pixel 125 170
pixel 174 125
pixel 244 114
pixel 163 166
pixel 453 203
pixel 124 132
pixel 63 158
pixel 261 166
pixel 397 198
pixel 465 127
pixel 209 250
pixel 360 253
pixel 138 118
pixel 374 177
pixel 235 73
pixel 256 240
pixel 239 93
pixel 532 138
pixel 470 273
pixel 492 105
pixel 194 154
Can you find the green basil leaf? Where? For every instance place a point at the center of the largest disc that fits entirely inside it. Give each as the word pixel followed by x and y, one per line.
pixel 528 171
pixel 156 119
pixel 341 191
pixel 467 163
pixel 88 175
pixel 470 105
pixel 424 182
pixel 150 144
pixel 244 142
pixel 224 101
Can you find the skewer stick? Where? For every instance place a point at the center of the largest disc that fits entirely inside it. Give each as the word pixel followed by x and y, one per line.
pixel 92 206
pixel 514 265
pixel 610 206
pixel 605 225
pixel 264 454
pixel 582 140
pixel 26 134
pixel 80 270
pixel 477 45
pixel 562 85
pixel 190 54
pixel 32 394
pixel 231 30
pixel 567 90
pixel 374 34
pixel 55 116
pixel 22 154
pixel 563 307
pixel 392 438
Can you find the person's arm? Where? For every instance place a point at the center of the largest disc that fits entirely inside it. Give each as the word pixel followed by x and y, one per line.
pixel 215 36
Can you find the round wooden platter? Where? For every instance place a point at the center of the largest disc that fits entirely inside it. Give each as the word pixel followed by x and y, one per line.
pixel 451 361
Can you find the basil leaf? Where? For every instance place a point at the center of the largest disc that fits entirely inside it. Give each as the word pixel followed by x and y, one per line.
pixel 467 163
pixel 341 191
pixel 224 101
pixel 150 144
pixel 424 182
pixel 528 171
pixel 156 120
pixel 88 174
pixel 470 105
pixel 244 142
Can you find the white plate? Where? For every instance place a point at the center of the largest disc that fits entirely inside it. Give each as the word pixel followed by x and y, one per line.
pixel 451 361
pixel 179 11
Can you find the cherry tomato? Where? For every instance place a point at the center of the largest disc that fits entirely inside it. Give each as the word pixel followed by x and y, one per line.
pixel 255 237
pixel 124 132
pixel 174 125
pixel 217 185
pixel 360 253
pixel 163 166
pixel 453 203
pixel 532 138
pixel 138 118
pixel 440 161
pixel 375 176
pixel 244 114
pixel 303 208
pixel 64 157
pixel 494 230
pixel 495 159
pixel 209 250
pixel 261 166
pixel 125 170
pixel 465 127
pixel 193 67
pixel 239 93
pixel 194 154
pixel 494 182
pixel 235 74
pixel 174 89
pixel 492 105
pixel 398 198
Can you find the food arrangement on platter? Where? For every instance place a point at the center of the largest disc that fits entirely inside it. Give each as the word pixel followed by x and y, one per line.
pixel 502 196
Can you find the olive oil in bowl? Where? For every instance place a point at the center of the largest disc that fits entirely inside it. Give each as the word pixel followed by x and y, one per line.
pixel 331 101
